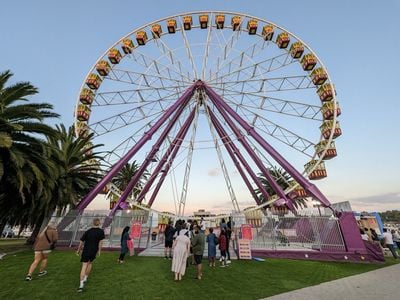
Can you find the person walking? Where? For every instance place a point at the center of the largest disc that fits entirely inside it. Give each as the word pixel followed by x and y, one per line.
pixel 125 238
pixel 42 247
pixel 222 247
pixel 396 238
pixel 212 242
pixel 228 239
pixel 91 242
pixel 168 240
pixel 198 243
pixel 180 248
pixel 388 240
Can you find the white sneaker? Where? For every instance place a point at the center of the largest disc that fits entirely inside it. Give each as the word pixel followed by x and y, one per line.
pixel 228 261
pixel 220 259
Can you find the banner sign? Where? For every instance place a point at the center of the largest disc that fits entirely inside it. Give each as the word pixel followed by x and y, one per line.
pixel 136 230
pixel 246 232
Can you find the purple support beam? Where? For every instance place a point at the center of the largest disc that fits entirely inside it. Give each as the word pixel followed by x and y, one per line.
pixel 233 150
pixel 308 186
pixel 135 179
pixel 176 143
pixel 250 151
pixel 124 160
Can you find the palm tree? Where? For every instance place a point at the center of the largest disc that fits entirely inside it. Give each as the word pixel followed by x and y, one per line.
pixel 22 152
pixel 121 180
pixel 77 172
pixel 283 179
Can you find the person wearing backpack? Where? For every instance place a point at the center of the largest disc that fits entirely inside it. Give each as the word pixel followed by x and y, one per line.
pixel 43 245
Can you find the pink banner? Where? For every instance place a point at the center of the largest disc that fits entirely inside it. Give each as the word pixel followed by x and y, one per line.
pixel 136 230
pixel 246 232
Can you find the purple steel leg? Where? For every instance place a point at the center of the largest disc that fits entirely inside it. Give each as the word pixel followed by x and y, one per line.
pixel 124 160
pixel 308 186
pixel 174 145
pixel 252 154
pixel 232 150
pixel 150 156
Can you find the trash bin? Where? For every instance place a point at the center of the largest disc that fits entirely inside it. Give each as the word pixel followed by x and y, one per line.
pixel 153 236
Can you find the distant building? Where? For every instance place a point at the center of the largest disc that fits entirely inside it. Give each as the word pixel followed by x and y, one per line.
pixel 202 213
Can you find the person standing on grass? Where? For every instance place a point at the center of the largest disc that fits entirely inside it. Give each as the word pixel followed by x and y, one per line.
pixel 228 239
pixel 180 247
pixel 124 244
pixel 222 247
pixel 198 243
pixel 42 248
pixel 91 242
pixel 169 239
pixel 212 242
pixel 388 240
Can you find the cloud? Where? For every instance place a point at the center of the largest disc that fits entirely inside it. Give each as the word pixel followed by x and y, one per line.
pixel 388 198
pixel 213 172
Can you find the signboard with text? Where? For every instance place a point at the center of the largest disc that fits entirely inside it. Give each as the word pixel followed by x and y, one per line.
pixel 246 232
pixel 244 249
pixel 136 230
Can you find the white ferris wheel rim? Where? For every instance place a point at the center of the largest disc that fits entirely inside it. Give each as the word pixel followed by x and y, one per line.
pixel 320 158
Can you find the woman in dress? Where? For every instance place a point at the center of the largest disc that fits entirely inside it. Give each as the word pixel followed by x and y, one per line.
pixel 181 248
pixel 212 240
pixel 124 244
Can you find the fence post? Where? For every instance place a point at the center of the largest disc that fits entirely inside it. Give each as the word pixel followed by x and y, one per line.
pixel 78 221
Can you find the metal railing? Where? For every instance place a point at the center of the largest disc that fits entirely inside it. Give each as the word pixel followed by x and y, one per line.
pixel 293 233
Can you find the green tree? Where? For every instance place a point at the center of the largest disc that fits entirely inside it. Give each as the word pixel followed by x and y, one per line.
pixel 77 172
pixel 23 167
pixel 121 180
pixel 283 179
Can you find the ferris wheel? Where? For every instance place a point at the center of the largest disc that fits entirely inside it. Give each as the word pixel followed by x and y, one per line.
pixel 243 87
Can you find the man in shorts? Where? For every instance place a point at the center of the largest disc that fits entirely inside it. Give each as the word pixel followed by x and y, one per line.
pixel 91 242
pixel 198 243
pixel 169 239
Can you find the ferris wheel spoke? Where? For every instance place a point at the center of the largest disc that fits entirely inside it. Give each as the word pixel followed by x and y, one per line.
pixel 280 133
pixel 174 60
pixel 239 60
pixel 266 84
pixel 225 45
pixel 189 51
pixel 277 105
pixel 127 97
pixel 257 68
pixel 206 50
pixel 121 120
pixel 136 77
pixel 148 62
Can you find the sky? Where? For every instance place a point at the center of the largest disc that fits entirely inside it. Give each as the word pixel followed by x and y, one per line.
pixel 53 44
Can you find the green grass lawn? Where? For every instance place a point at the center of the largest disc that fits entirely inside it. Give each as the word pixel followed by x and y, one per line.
pixel 11 245
pixel 151 278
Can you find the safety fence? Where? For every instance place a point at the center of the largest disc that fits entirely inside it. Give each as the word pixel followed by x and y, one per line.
pixel 269 232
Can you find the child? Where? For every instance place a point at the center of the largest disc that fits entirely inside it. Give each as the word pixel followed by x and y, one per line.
pixel 222 246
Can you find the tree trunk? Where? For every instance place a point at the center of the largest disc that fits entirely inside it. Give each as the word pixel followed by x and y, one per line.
pixel 2 226
pixel 35 231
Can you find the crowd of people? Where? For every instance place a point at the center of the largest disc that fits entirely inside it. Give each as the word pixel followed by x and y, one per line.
pixel 388 239
pixel 184 245
pixel 186 242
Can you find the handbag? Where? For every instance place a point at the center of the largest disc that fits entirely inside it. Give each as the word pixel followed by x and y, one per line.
pixel 52 244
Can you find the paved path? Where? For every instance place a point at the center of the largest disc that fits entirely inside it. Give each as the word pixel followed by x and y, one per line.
pixel 380 284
